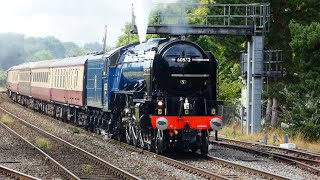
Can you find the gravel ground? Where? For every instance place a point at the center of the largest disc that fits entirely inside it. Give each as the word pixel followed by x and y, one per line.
pixel 146 166
pixel 261 163
pixel 3 177
pixel 21 157
pixel 139 164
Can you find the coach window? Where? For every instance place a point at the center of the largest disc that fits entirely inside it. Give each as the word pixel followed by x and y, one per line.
pixel 59 79
pixel 56 77
pixel 68 78
pixel 76 79
pixel 71 78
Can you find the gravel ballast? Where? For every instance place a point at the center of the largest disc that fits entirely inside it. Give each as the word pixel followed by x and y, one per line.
pixel 20 156
pixel 139 164
pixel 145 165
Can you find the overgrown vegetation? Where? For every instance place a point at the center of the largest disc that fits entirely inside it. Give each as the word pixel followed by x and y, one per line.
pixel 75 130
pixel 302 115
pixel 7 120
pixel 87 168
pixel 3 77
pixel 234 131
pixel 43 143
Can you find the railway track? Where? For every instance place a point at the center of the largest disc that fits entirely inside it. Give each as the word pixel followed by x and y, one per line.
pixel 73 162
pixel 304 160
pixel 15 174
pixel 205 173
pixel 249 170
pixel 175 162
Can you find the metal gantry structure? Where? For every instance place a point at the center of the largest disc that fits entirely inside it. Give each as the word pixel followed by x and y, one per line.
pixel 250 20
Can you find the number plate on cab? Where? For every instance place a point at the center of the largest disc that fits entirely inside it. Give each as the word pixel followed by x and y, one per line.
pixel 183 59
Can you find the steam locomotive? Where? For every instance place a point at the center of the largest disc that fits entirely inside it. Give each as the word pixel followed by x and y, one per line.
pixel 159 95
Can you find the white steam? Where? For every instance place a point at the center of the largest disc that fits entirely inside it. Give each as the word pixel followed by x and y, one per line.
pixel 142 9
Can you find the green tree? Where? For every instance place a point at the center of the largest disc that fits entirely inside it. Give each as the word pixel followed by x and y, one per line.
pixel 3 77
pixel 42 55
pixel 126 36
pixel 72 49
pixel 93 47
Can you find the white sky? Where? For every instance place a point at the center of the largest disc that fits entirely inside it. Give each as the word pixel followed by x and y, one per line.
pixel 79 21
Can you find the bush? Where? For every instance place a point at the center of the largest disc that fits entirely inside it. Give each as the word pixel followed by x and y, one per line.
pixel 3 77
pixel 311 132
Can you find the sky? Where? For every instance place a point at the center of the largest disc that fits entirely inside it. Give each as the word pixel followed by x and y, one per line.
pixel 80 21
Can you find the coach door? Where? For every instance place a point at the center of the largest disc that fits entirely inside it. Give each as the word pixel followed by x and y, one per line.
pixel 95 83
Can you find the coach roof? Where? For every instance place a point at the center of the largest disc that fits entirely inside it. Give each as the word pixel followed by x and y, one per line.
pixel 45 63
pixel 72 61
pixel 27 65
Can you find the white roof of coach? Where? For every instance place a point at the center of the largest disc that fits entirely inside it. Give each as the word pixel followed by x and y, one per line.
pixel 72 61
pixel 45 63
pixel 27 65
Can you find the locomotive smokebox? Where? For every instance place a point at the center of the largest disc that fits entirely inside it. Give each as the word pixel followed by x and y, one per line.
pixel 181 68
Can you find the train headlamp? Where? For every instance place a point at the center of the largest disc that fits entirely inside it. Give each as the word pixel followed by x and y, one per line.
pixel 160 103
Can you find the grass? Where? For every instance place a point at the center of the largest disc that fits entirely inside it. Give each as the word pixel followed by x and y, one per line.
pixel 43 143
pixel 75 130
pixel 7 120
pixel 87 168
pixel 233 131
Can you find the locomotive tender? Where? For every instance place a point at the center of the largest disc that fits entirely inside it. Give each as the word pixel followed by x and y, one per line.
pixel 159 95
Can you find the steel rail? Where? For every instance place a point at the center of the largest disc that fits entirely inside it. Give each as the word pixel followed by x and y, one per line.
pixel 299 164
pixel 298 153
pixel 65 172
pixel 246 169
pixel 102 163
pixel 172 162
pixel 188 168
pixel 16 174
